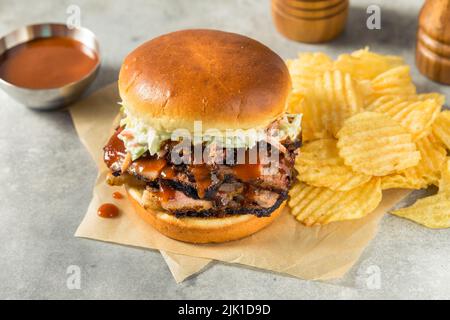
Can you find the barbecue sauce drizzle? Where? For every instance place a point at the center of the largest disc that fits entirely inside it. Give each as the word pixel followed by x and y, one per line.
pixel 115 152
pixel 166 193
pixel 202 176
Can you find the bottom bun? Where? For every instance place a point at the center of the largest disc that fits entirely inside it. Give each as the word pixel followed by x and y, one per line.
pixel 201 230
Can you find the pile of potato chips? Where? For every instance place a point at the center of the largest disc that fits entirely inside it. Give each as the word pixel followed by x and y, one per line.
pixel 365 129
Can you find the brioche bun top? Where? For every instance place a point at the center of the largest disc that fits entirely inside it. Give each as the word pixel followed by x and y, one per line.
pixel 225 80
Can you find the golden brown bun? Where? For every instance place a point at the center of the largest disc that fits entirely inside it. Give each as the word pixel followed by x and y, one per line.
pixel 226 80
pixel 201 230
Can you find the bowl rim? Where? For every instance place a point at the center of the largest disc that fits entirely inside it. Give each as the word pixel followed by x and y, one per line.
pixel 30 38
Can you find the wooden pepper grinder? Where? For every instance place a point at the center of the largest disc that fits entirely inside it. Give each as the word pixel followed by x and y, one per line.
pixel 310 21
pixel 433 41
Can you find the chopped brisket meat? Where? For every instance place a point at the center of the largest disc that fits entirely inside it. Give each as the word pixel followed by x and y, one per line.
pixel 181 202
pixel 206 189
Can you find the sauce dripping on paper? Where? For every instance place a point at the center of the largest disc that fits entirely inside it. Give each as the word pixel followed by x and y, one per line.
pixel 117 195
pixel 108 210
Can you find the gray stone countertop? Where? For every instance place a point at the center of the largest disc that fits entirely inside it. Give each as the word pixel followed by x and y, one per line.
pixel 46 175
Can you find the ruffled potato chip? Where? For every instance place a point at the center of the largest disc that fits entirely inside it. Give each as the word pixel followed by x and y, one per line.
pixel 334 98
pixel 396 81
pixel 439 98
pixel 427 171
pixel 387 137
pixel 320 165
pixel 366 65
pixel 318 206
pixel 444 182
pixel 294 102
pixel 374 144
pixel 441 127
pixel 416 113
pixel 432 212
pixel 314 119
pixel 306 68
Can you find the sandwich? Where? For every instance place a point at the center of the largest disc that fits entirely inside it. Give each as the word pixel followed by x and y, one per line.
pixel 205 147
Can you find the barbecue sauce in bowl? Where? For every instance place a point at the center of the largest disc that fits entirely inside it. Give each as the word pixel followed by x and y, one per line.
pixel 47 63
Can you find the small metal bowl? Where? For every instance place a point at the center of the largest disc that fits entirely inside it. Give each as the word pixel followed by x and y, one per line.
pixel 49 99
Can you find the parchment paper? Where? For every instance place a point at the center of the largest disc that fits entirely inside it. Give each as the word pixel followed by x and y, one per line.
pixel 93 118
pixel 286 246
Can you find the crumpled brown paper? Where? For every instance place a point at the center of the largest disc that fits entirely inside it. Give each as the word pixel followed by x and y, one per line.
pixel 286 246
pixel 93 118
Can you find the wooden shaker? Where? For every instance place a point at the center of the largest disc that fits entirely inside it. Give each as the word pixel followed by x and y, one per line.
pixel 433 41
pixel 311 21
